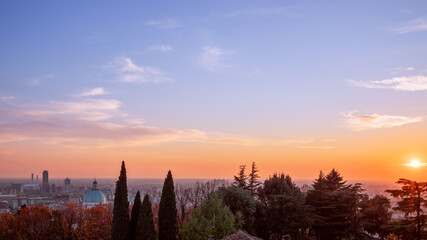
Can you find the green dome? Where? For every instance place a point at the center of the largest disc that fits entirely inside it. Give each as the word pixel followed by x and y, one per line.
pixel 94 196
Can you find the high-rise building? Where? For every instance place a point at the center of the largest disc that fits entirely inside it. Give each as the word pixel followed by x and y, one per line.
pixel 32 177
pixel 67 183
pixel 46 187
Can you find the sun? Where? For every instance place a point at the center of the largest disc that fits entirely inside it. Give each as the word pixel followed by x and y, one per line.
pixel 415 164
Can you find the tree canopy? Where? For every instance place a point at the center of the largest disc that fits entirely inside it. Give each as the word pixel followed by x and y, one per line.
pixel 120 227
pixel 213 218
pixel 167 211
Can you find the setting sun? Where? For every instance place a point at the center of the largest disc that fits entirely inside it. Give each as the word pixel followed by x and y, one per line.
pixel 415 163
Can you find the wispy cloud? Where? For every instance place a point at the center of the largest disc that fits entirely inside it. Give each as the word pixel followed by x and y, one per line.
pixel 39 80
pixel 360 122
pixel 129 72
pixel 401 69
pixel 6 99
pixel 102 123
pixel 212 59
pixel 416 25
pixel 166 24
pixel 93 92
pixel 162 48
pixel 87 109
pixel 263 12
pixel 410 83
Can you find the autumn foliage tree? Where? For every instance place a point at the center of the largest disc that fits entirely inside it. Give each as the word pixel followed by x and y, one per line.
pixel 8 227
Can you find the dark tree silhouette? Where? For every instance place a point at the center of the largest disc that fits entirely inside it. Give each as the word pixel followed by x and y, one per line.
pixel 375 215
pixel 134 216
pixel 145 228
pixel 253 181
pixel 167 211
pixel 285 206
pixel 241 178
pixel 335 204
pixel 120 225
pixel 412 202
pixel 240 201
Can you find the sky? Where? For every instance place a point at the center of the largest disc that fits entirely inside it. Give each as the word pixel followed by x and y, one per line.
pixel 202 87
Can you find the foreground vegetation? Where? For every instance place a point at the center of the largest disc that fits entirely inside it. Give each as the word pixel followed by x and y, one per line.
pixel 329 209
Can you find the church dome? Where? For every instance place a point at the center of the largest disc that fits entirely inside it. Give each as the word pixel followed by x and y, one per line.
pixel 94 196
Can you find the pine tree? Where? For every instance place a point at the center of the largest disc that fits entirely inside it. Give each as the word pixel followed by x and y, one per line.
pixel 412 201
pixel 145 227
pixel 335 204
pixel 120 225
pixel 134 216
pixel 241 178
pixel 334 181
pixel 254 183
pixel 167 211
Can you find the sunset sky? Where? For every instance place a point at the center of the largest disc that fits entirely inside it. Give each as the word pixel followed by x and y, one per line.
pixel 201 87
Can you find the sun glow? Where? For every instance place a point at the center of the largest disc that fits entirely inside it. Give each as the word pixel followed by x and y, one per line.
pixel 415 163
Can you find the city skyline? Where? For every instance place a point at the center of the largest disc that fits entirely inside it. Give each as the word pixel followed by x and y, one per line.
pixel 296 87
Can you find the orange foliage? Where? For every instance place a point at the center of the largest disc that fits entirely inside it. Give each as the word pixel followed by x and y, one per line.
pixel 69 222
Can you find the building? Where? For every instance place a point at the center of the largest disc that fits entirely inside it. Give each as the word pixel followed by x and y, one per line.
pixel 94 196
pixel 46 187
pixel 67 183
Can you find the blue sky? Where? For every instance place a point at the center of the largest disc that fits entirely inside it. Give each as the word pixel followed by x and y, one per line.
pixel 261 69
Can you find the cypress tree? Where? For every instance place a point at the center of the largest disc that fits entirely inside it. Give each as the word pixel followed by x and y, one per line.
pixel 167 211
pixel 120 225
pixel 134 216
pixel 145 227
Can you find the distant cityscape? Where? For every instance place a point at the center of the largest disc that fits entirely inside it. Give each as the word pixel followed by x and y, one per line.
pixel 54 193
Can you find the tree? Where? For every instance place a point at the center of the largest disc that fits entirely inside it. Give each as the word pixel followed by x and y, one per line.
pixel 134 216
pixel 375 215
pixel 286 210
pixel 95 224
pixel 213 218
pixel 183 195
pixel 120 227
pixel 145 227
pixel 241 178
pixel 34 222
pixel 58 226
pixel 412 202
pixel 167 211
pixel 240 201
pixel 253 182
pixel 9 227
pixel 335 204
